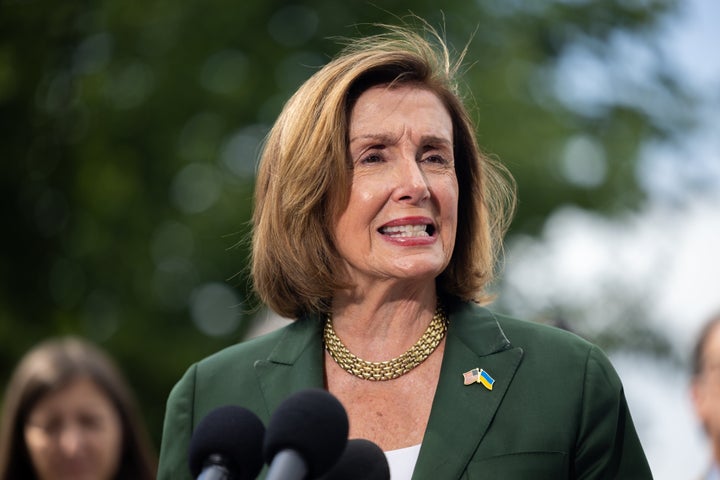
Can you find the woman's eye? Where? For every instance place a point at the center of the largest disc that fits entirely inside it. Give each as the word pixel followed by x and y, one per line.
pixel 371 158
pixel 439 159
pixel 90 422
pixel 53 427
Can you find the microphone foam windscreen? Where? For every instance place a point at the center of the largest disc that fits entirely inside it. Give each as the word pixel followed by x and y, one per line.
pixel 361 460
pixel 233 433
pixel 313 423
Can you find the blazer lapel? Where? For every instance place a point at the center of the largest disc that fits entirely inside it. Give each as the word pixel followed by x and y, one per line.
pixel 474 340
pixel 459 411
pixel 294 364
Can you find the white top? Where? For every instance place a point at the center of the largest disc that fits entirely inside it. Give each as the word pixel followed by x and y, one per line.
pixel 402 462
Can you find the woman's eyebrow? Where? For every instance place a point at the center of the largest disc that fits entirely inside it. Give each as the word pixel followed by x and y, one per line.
pixel 379 137
pixel 388 139
pixel 433 139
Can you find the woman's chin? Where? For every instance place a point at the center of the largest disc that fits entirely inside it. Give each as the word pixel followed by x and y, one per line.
pixel 418 273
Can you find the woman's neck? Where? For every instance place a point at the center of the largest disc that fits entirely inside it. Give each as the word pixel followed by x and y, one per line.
pixel 381 325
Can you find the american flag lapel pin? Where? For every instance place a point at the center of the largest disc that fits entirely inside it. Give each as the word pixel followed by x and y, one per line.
pixel 471 376
pixel 478 375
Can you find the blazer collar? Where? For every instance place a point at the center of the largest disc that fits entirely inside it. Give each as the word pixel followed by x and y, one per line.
pixel 459 411
pixel 296 363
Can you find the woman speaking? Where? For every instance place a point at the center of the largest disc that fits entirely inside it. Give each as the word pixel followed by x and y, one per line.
pixel 377 225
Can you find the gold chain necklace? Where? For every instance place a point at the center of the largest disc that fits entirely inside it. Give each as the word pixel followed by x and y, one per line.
pixel 387 370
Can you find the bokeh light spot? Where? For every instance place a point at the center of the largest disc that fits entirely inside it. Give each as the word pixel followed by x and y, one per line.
pixel 215 309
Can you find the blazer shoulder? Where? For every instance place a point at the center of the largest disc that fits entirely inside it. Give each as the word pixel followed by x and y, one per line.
pixel 252 349
pixel 475 318
pixel 255 348
pixel 559 350
pixel 282 346
pixel 526 333
pixel 549 347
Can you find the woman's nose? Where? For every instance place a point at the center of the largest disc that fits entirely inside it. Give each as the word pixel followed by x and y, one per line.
pixel 411 181
pixel 71 440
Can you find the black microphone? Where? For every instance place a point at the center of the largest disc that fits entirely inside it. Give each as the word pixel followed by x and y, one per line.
pixel 305 436
pixel 227 445
pixel 361 460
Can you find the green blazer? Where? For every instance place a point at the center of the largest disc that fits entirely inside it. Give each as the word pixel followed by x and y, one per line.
pixel 556 410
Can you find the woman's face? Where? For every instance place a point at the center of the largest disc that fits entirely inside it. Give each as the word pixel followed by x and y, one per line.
pixel 706 387
pixel 74 433
pixel 401 218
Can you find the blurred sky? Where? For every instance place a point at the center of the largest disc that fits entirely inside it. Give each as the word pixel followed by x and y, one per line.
pixel 664 256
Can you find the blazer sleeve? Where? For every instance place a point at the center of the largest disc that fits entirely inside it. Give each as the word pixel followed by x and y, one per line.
pixel 177 429
pixel 608 446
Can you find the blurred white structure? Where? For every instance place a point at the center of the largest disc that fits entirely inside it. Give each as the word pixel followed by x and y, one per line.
pixel 663 260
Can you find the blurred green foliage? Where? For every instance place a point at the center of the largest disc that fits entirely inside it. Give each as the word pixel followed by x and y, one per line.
pixel 129 133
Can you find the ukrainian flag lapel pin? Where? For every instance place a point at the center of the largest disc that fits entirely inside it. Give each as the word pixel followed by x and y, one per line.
pixel 486 379
pixel 478 375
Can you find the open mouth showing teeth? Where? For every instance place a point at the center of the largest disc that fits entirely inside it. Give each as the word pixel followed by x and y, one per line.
pixel 408 231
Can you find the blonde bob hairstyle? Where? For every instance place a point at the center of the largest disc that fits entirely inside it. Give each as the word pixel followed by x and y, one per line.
pixel 305 174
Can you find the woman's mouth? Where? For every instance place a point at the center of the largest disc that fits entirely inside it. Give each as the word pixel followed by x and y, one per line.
pixel 408 231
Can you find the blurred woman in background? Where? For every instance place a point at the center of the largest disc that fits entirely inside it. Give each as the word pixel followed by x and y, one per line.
pixel 68 413
pixel 705 389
